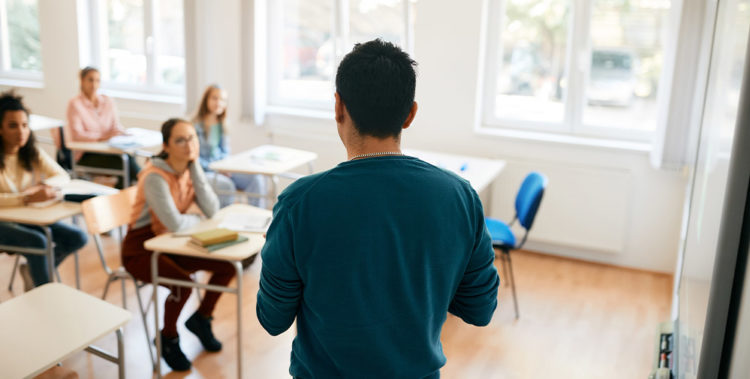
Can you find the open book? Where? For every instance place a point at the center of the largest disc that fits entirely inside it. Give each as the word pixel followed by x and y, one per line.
pixel 135 138
pixel 246 222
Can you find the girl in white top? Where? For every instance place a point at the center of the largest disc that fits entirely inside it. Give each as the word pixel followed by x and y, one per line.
pixel 24 172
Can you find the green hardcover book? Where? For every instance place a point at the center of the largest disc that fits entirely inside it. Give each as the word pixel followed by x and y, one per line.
pixel 213 236
pixel 217 246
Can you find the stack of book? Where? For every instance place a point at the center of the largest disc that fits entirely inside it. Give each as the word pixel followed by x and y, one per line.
pixel 215 239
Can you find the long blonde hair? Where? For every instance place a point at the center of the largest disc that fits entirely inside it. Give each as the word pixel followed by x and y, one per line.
pixel 203 108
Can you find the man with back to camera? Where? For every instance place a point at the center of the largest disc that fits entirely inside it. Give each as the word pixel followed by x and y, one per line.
pixel 370 255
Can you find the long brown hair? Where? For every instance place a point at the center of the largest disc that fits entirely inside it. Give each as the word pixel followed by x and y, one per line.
pixel 166 132
pixel 203 108
pixel 28 155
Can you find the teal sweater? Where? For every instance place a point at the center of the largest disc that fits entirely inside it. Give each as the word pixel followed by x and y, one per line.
pixel 369 257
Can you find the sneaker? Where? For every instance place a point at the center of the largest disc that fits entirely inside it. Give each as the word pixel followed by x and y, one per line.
pixel 172 354
pixel 201 327
pixel 28 282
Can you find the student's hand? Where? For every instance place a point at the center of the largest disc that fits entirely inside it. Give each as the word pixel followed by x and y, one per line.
pixel 40 193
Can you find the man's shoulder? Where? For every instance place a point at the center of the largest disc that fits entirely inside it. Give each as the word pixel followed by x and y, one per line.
pixel 299 187
pixel 445 176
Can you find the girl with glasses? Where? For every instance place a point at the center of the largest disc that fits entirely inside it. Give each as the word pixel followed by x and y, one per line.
pixel 168 186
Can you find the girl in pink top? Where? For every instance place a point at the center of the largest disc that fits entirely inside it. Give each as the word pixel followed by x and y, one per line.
pixel 93 117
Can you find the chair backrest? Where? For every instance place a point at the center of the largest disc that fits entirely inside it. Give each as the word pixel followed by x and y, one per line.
pixel 104 213
pixel 64 156
pixel 529 197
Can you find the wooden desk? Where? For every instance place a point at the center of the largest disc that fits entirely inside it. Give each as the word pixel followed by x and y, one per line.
pixel 38 123
pixel 42 217
pixel 269 160
pixel 146 140
pixel 49 215
pixel 50 323
pixel 168 243
pixel 480 172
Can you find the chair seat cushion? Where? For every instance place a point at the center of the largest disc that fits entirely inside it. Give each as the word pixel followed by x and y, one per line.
pixel 500 232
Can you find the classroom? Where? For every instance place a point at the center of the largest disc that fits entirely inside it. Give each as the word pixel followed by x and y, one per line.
pixel 374 188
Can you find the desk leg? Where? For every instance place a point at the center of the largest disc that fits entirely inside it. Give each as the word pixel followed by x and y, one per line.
pixel 125 170
pixel 120 354
pixel 238 268
pixel 73 165
pixel 155 298
pixel 273 194
pixel 50 253
pixel 78 274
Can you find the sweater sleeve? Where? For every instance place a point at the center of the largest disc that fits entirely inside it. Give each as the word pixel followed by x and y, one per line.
pixel 11 199
pixel 204 194
pixel 160 201
pixel 52 172
pixel 475 299
pixel 280 290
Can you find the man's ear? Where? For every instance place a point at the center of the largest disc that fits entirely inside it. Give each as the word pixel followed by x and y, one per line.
pixel 410 117
pixel 339 109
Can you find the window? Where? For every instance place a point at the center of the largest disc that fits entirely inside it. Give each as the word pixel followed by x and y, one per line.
pixel 20 49
pixel 139 45
pixel 582 67
pixel 307 39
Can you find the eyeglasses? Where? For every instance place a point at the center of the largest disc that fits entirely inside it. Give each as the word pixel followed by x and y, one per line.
pixel 182 142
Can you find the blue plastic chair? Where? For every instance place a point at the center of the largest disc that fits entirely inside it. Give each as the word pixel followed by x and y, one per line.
pixel 503 240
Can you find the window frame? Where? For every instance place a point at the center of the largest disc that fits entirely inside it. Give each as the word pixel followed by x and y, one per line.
pixel 577 66
pixel 99 41
pixel 6 70
pixel 274 101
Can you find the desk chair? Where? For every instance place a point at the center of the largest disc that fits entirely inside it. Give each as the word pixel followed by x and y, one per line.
pixel 104 214
pixel 503 240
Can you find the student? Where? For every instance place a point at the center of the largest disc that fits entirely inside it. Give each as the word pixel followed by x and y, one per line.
pixel 24 169
pixel 371 255
pixel 167 187
pixel 93 117
pixel 210 124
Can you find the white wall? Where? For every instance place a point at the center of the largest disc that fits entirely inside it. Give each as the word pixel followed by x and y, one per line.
pixel 603 204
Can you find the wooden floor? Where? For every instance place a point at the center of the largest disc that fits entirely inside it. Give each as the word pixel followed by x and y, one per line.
pixel 578 320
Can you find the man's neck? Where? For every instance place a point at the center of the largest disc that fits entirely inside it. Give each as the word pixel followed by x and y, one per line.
pixel 374 146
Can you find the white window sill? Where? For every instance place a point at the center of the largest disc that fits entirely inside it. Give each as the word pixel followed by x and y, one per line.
pixel 300 112
pixel 22 83
pixel 144 96
pixel 594 142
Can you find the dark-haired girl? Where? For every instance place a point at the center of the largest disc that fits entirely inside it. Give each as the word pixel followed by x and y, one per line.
pixel 24 170
pixel 92 117
pixel 167 187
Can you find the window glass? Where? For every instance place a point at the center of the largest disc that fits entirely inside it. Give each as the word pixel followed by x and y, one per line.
pixel 308 57
pixel 625 63
pixel 125 57
pixel 23 35
pixel 532 56
pixel 170 43
pixel 370 19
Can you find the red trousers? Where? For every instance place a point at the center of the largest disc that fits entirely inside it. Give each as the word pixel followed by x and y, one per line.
pixel 137 260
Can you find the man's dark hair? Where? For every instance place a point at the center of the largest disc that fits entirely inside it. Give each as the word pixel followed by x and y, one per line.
pixel 376 82
pixel 28 154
